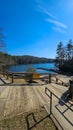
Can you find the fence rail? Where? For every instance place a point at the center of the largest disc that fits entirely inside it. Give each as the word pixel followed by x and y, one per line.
pixel 22 75
pixel 56 107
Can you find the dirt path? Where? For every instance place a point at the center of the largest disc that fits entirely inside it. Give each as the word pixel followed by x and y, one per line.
pixel 19 99
pixel 16 99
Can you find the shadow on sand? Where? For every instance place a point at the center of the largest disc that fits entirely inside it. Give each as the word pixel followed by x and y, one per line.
pixel 33 83
pixel 64 106
pixel 30 117
pixel 64 98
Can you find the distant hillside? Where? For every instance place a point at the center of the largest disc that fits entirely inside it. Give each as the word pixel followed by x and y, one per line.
pixel 26 59
pixel 6 59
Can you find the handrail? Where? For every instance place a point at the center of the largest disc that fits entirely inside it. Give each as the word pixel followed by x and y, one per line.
pixel 63 83
pixel 62 113
pixel 57 98
pixel 9 72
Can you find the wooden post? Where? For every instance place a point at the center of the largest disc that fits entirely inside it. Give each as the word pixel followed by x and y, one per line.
pixel 50 103
pixel 3 73
pixel 12 77
pixel 49 78
pixel 3 69
pixel 62 83
pixel 7 75
pixel 56 80
pixel 71 89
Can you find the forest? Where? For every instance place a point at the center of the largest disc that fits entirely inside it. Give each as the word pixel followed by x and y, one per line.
pixel 64 56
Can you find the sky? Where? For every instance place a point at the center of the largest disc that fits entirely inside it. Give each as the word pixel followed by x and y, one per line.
pixel 35 27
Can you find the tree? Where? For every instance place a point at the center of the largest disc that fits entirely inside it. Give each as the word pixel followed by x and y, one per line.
pixel 64 58
pixel 60 55
pixel 69 50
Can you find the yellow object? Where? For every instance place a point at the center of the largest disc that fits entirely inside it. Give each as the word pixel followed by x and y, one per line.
pixel 36 75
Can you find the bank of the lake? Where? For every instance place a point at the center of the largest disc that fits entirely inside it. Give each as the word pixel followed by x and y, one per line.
pixel 22 68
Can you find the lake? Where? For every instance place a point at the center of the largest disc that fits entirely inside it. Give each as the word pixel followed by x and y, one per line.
pixel 23 68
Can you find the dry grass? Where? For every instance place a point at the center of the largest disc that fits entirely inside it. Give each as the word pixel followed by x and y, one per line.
pixel 36 120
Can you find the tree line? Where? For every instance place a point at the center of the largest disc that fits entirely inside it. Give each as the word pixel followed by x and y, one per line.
pixel 6 59
pixel 64 57
pixel 26 59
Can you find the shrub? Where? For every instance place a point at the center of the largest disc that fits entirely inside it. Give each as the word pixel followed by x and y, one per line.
pixel 29 75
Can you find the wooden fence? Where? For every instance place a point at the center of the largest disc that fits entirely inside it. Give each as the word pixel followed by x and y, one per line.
pixel 23 75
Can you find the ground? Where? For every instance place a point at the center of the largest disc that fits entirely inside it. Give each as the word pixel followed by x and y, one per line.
pixel 19 100
pixel 37 120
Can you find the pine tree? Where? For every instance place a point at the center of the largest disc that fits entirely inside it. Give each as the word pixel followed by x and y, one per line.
pixel 60 55
pixel 64 58
pixel 69 50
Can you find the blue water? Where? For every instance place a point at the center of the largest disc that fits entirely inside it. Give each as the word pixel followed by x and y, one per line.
pixel 23 68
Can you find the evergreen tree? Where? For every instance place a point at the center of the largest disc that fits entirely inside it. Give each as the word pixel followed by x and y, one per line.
pixel 64 58
pixel 60 55
pixel 69 50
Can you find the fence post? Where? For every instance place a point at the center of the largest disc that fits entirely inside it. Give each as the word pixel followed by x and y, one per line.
pixel 7 75
pixel 12 77
pixel 49 78
pixel 50 103
pixel 56 80
pixel 3 73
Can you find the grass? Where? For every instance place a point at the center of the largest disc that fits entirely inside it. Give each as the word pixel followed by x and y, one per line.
pixel 36 120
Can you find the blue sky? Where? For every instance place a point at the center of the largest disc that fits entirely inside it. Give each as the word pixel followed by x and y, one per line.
pixel 35 27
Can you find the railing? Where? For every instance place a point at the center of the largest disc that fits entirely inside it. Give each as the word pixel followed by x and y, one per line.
pixel 19 75
pixel 62 82
pixel 22 75
pixel 55 106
